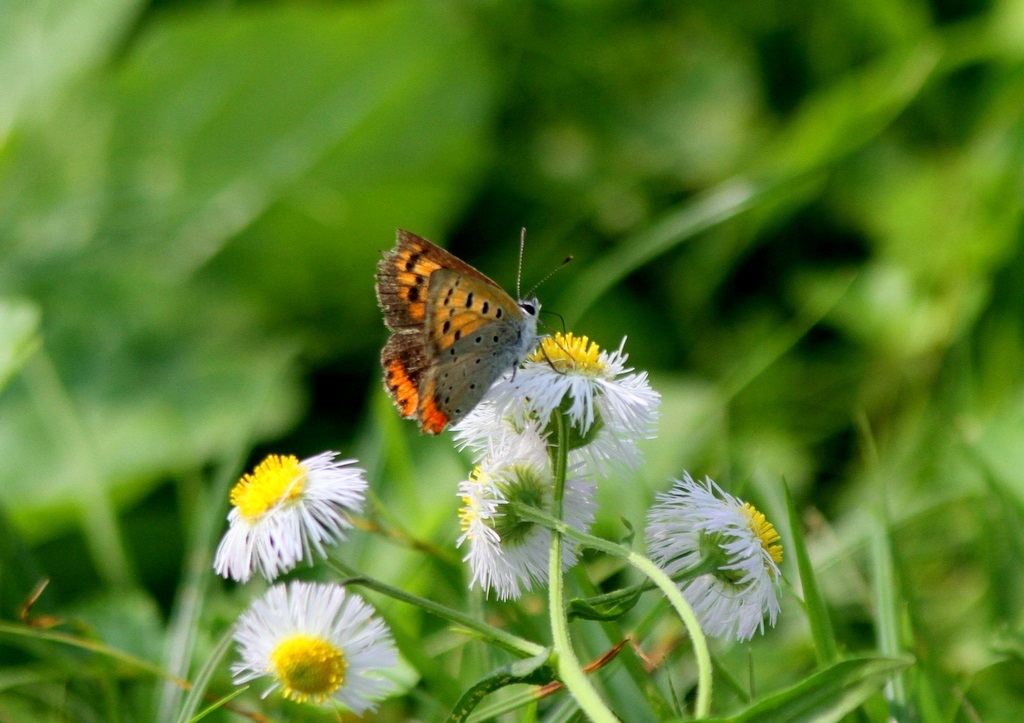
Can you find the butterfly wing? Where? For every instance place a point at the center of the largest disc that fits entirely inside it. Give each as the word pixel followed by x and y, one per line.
pixel 404 361
pixel 403 279
pixel 432 301
pixel 474 332
pixel 459 305
pixel 464 372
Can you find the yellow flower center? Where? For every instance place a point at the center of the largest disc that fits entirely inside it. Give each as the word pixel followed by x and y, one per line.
pixel 275 480
pixel 309 668
pixel 765 532
pixel 567 352
pixel 470 510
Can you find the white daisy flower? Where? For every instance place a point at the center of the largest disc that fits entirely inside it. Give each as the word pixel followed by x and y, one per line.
pixel 285 510
pixel 610 407
pixel 508 554
pixel 317 642
pixel 734 550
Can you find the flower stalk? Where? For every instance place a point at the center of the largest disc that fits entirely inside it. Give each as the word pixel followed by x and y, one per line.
pixel 569 670
pixel 503 639
pixel 658 577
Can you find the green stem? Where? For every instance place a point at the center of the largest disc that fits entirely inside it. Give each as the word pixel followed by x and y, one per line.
pixel 704 567
pixel 569 670
pixel 197 692
pixel 128 661
pixel 658 577
pixel 700 643
pixel 512 643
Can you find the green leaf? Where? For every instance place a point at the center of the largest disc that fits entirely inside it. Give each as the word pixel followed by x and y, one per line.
pixel 889 602
pixel 852 112
pixel 832 124
pixel 817 612
pixel 19 335
pixel 707 210
pixel 128 621
pixel 189 710
pixel 827 695
pixel 533 671
pixel 605 608
pixel 627 540
pixel 310 106
pixel 43 46
pixel 213 213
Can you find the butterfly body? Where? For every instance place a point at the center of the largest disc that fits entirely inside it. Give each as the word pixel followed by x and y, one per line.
pixel 454 331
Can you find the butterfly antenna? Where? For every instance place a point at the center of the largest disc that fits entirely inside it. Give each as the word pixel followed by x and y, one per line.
pixel 555 313
pixel 550 274
pixel 519 272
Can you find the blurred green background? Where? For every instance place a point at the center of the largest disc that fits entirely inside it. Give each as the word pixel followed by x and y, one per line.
pixel 805 217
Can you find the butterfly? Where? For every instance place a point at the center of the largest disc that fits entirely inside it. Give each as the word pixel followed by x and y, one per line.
pixel 454 331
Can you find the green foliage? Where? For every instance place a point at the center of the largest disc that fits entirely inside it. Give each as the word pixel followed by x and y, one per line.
pixel 607 608
pixel 19 336
pixel 807 220
pixel 827 695
pixel 815 606
pixel 530 671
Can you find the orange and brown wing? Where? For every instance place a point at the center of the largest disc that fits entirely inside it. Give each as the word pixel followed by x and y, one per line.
pixel 404 363
pixel 403 279
pixel 460 305
pixel 432 418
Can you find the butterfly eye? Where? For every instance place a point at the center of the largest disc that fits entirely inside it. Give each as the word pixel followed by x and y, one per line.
pixel 528 307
